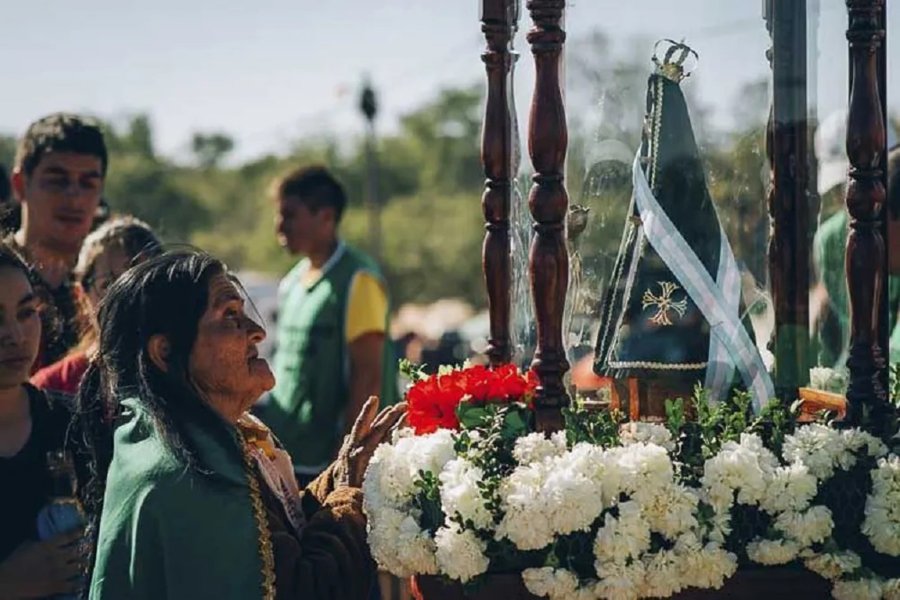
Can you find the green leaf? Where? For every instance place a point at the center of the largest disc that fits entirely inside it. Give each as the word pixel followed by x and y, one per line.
pixel 473 416
pixel 411 371
pixel 428 500
pixel 515 423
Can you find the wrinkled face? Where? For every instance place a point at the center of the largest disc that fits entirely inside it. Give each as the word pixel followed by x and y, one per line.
pixel 299 229
pixel 60 198
pixel 20 327
pixel 108 266
pixel 224 362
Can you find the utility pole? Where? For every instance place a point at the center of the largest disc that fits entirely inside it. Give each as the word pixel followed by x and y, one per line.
pixel 369 107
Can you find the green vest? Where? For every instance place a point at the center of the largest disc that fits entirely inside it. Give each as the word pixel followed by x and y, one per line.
pixel 170 532
pixel 829 248
pixel 306 411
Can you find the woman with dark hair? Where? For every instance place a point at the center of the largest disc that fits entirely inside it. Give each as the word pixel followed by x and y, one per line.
pixel 32 432
pixel 107 252
pixel 199 501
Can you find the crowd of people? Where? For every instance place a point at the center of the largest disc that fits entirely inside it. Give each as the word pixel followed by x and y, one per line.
pixel 152 452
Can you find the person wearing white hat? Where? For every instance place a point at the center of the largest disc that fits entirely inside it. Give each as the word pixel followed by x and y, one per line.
pixel 829 300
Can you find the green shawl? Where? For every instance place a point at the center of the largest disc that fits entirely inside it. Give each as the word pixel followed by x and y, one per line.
pixel 170 532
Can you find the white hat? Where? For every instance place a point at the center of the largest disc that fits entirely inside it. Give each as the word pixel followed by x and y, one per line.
pixel 831 149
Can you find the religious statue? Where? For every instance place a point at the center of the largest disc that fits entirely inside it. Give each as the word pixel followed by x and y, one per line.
pixel 670 317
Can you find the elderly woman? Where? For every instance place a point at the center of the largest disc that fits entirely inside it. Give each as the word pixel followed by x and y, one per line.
pixel 199 501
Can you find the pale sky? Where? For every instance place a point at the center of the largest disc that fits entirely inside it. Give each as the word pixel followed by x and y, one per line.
pixel 271 71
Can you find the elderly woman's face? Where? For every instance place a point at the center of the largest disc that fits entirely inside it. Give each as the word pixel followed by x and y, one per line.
pixel 20 327
pixel 224 362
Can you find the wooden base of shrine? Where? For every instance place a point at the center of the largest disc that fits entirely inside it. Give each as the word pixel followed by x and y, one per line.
pixel 769 583
pixel 645 399
pixel 507 586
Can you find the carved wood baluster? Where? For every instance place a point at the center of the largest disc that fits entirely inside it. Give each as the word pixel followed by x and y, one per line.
pixel 548 201
pixel 498 22
pixel 788 199
pixel 883 329
pixel 865 258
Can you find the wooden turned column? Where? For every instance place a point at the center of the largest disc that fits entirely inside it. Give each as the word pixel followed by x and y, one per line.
pixel 498 22
pixel 787 144
pixel 866 257
pixel 548 201
pixel 884 332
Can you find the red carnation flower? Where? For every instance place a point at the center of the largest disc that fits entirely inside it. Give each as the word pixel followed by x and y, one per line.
pixel 432 402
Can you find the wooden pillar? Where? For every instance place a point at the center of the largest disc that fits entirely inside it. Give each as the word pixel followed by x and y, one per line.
pixel 498 22
pixel 787 144
pixel 548 202
pixel 865 258
pixel 883 329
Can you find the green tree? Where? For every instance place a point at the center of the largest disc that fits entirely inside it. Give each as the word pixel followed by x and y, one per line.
pixel 149 187
pixel 211 148
pixel 135 137
pixel 7 151
pixel 151 190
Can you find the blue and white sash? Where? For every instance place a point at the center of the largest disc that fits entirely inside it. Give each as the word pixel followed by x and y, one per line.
pixel 730 347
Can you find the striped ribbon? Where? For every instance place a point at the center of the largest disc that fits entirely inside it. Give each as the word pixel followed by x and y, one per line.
pixel 730 345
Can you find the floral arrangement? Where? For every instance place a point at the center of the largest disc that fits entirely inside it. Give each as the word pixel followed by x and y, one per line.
pixel 615 509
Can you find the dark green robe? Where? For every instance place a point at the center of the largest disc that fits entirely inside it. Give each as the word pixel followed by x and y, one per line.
pixel 170 532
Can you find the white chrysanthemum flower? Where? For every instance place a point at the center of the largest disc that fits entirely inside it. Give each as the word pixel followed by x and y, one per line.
pixel 707 566
pixel 574 490
pixel 535 447
pixel 461 495
pixel 380 485
pixel 772 552
pixel 806 528
pixel 460 554
pixel 619 581
pixel 670 509
pixel 648 433
pixel 744 466
pixel 399 545
pixel 891 589
pixel 622 537
pixel 560 440
pixel 557 496
pixel 833 566
pixel 823 449
pixel 815 446
pixel 523 522
pixel 828 380
pixel 402 432
pixel 859 589
pixel 882 522
pixel 719 527
pixel 789 488
pixel 556 584
pixel 768 461
pixel 397 541
pixel 855 439
pixel 394 468
pixel 642 466
pixel 663 574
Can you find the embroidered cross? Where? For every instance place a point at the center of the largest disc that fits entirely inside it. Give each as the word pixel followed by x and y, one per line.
pixel 664 303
